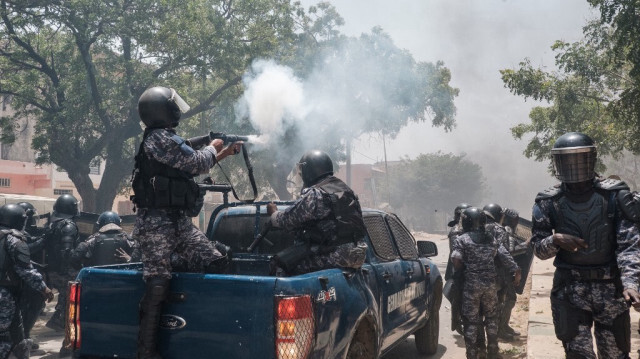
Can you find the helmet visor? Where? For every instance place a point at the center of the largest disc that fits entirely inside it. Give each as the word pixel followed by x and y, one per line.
pixel 182 105
pixel 574 164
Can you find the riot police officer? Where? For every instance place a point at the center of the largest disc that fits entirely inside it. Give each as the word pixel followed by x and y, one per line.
pixel 454 280
pixel 166 195
pixel 327 217
pixel 475 252
pixel 31 302
pixel 506 290
pixel 597 258
pixel 101 248
pixel 60 239
pixel 15 270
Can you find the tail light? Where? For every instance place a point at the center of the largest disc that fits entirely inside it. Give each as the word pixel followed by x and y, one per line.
pixel 72 328
pixel 295 327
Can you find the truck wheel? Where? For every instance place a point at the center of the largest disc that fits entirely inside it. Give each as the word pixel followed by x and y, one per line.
pixel 362 345
pixel 427 337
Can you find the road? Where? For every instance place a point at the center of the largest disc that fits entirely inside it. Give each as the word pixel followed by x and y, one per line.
pixel 451 344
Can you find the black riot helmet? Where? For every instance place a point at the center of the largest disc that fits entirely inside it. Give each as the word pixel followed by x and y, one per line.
pixel 161 107
pixel 66 206
pixel 457 212
pixel 574 158
pixel 313 166
pixel 494 211
pixel 108 217
pixel 30 211
pixel 473 220
pixel 12 216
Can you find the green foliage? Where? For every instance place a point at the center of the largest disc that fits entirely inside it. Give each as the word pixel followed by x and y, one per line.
pixel 78 68
pixel 596 91
pixel 433 182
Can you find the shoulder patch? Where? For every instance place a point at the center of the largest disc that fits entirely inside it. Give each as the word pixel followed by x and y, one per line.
pixel 551 192
pixel 612 184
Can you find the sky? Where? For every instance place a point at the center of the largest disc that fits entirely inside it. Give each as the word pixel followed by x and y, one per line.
pixel 475 39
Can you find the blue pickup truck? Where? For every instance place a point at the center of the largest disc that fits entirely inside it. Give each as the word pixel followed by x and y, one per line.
pixel 246 313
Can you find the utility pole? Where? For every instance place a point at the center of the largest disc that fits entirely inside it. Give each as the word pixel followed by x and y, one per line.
pixel 349 161
pixel 386 168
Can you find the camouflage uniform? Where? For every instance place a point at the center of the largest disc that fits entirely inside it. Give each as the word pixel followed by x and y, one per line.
pixel 162 232
pixel 507 296
pixel 311 210
pixel 60 239
pixel 18 266
pixel 31 302
pixel 590 296
pixel 84 251
pixel 478 251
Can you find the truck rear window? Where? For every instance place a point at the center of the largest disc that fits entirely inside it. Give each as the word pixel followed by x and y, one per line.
pixel 239 232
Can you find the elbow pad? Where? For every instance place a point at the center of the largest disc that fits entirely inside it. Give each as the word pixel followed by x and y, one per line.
pixel 629 203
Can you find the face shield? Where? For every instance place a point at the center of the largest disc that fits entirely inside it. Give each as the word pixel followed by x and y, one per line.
pixel 295 184
pixel 178 101
pixel 574 164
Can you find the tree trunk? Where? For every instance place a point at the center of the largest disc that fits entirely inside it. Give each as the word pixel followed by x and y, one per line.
pixel 278 180
pixel 84 185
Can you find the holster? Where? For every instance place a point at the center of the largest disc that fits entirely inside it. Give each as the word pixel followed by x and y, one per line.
pixel 289 258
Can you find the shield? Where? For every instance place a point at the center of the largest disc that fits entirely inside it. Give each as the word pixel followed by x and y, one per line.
pixel 86 223
pixel 127 222
pixel 522 253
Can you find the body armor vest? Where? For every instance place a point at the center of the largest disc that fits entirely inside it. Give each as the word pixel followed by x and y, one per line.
pixel 592 221
pixel 156 185
pixel 345 217
pixel 104 251
pixel 57 251
pixel 8 277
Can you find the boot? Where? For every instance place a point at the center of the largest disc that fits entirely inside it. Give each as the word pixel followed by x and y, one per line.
pixel 156 291
pixel 507 337
pixel 504 320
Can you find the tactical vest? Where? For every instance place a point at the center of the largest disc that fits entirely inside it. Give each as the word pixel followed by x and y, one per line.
pixel 156 185
pixel 57 252
pixel 593 220
pixel 345 217
pixel 8 277
pixel 104 250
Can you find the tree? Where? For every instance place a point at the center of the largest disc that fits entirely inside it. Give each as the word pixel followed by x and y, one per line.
pixel 433 182
pixel 353 86
pixel 596 90
pixel 78 68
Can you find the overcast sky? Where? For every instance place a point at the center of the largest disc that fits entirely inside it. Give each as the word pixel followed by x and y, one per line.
pixel 475 39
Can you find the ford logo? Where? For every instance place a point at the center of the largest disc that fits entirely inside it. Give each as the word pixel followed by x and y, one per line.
pixel 170 321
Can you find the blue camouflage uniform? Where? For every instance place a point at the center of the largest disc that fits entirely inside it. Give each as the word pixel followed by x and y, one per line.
pixel 19 271
pixel 584 295
pixel 162 232
pixel 313 210
pixel 479 251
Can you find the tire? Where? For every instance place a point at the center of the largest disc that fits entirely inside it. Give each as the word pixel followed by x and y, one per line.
pixel 363 344
pixel 427 337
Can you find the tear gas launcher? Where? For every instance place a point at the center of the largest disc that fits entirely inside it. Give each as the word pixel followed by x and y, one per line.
pixel 201 141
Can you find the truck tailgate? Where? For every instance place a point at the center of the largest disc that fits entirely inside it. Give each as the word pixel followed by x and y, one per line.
pixel 203 312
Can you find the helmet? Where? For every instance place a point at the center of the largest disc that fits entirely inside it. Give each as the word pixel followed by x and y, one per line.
pixel 457 212
pixel 108 217
pixel 161 107
pixel 30 211
pixel 574 158
pixel 494 211
pixel 473 220
pixel 313 166
pixel 12 216
pixel 66 206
